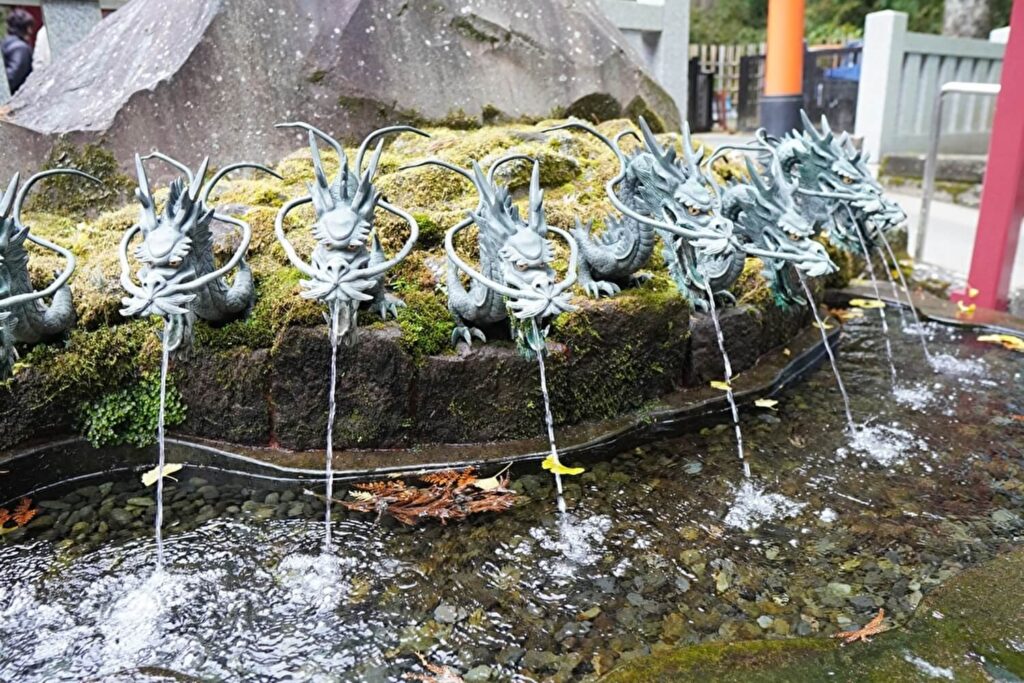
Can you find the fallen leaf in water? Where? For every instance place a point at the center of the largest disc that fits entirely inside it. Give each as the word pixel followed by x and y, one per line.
pixel 867 303
pixel 873 627
pixel 22 515
pixel 149 478
pixel 972 292
pixel 720 385
pixel 823 326
pixel 1018 418
pixel 1007 341
pixel 797 441
pixel 552 464
pixel 786 352
pixel 766 403
pixel 439 674
pixel 361 495
pixel 844 314
pixel 491 483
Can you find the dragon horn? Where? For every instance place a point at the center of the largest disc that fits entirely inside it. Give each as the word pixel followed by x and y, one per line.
pixel 809 127
pixel 691 160
pixel 7 201
pixel 652 144
pixel 483 186
pixel 443 164
pixel 318 164
pixel 196 185
pixel 365 190
pixel 23 193
pixel 537 202
pixel 755 176
pixel 173 162
pixel 378 133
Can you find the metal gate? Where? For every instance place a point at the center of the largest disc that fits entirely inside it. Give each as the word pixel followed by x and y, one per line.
pixel 830 87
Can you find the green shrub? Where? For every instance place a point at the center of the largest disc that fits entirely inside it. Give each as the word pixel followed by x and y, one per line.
pixel 130 415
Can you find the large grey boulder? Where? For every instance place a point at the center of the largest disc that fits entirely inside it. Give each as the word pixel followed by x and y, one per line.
pixel 197 77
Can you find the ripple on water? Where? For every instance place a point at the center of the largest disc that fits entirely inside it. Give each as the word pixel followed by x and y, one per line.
pixel 885 445
pixel 754 506
pixel 949 364
pixel 916 396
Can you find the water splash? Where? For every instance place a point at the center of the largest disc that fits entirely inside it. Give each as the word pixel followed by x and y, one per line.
pixel 916 396
pixel 828 349
pixel 878 296
pixel 548 420
pixel 906 290
pixel 317 581
pixel 948 364
pixel 165 355
pixel 578 542
pixel 728 377
pixel 753 506
pixel 885 445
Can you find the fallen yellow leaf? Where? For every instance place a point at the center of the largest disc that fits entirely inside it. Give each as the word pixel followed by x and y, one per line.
pixel 823 326
pixel 149 478
pixel 552 464
pixel 490 483
pixel 720 385
pixel 1008 341
pixel 361 495
pixel 972 292
pixel 867 303
pixel 786 352
pixel 965 311
pixel 766 403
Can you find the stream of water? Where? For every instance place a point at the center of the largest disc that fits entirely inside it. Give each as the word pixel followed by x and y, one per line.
pixel 828 349
pixel 332 409
pixel 548 419
pixel 919 328
pixel 878 297
pixel 165 353
pixel 728 377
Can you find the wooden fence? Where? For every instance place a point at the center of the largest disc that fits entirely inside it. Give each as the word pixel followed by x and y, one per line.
pixel 724 62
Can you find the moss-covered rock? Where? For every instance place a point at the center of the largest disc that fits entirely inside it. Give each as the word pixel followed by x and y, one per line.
pixel 67 193
pixel 614 354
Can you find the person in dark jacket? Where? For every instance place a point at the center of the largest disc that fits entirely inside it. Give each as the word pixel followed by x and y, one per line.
pixel 15 48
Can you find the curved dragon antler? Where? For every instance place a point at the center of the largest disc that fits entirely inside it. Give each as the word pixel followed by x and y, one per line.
pixel 10 207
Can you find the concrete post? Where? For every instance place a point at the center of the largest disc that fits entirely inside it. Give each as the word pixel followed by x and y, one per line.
pixel 880 73
pixel 672 58
pixel 5 91
pixel 68 21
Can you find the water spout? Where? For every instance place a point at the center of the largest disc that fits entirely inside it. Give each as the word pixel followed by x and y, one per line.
pixel 878 297
pixel 161 459
pixel 910 301
pixel 547 415
pixel 728 376
pixel 335 314
pixel 828 350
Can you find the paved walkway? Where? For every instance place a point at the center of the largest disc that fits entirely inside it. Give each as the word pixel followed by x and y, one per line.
pixel 949 239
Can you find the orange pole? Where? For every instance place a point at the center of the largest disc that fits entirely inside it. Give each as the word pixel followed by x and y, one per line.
pixel 784 60
pixel 784 67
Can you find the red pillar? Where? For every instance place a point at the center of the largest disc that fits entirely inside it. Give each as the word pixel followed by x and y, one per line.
pixel 1002 195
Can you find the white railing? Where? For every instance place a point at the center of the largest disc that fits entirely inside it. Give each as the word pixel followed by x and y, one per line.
pixel 661 34
pixel 901 74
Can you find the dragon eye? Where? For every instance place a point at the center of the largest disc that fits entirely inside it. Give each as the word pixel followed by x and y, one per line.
pixel 693 210
pixel 847 180
pixel 175 261
pixel 352 247
pixel 521 267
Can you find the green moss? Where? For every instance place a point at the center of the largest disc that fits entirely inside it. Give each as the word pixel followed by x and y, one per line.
pixel 91 363
pixel 977 619
pixel 491 114
pixel 751 287
pixel 425 322
pixel 458 119
pixel 130 416
pixel 638 107
pixel 317 76
pixel 596 108
pixel 72 194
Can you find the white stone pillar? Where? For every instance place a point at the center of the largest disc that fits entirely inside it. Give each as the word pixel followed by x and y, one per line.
pixel 68 21
pixel 880 75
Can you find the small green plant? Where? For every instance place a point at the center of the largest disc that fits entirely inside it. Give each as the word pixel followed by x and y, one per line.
pixel 130 415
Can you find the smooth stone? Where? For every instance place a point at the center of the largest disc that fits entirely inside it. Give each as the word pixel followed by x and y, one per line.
pixel 141 502
pixel 446 614
pixel 209 492
pixel 272 499
pixel 120 516
pixel 478 674
pixel 54 505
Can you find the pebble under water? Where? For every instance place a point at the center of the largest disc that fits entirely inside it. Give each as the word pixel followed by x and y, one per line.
pixel 661 545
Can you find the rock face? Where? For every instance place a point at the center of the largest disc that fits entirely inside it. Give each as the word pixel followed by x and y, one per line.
pixel 198 77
